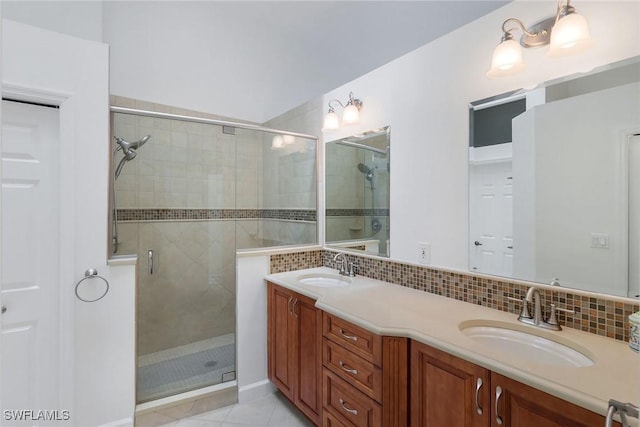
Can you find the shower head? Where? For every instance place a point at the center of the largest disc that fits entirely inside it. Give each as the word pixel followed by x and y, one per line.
pixel 368 172
pixel 129 151
pixel 126 145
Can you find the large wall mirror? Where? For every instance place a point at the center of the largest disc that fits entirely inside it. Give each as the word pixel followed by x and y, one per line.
pixel 357 192
pixel 554 191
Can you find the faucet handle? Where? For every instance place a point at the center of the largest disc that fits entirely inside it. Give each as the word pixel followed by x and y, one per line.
pixel 352 269
pixel 553 319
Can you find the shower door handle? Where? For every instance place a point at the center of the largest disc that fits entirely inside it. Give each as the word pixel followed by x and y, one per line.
pixel 150 254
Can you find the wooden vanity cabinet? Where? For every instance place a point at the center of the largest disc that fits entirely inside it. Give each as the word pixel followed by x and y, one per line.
pixel 341 375
pixel 294 342
pixel 449 391
pixel 446 390
pixel 364 376
pixel 519 405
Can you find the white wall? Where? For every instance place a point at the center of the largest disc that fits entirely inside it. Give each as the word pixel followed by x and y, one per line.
pixel 424 96
pixel 81 19
pixel 52 68
pixel 251 326
pixel 199 55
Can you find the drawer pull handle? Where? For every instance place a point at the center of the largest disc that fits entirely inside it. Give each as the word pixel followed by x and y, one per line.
pixel 347 336
pixel 478 387
pixel 351 411
pixel 498 395
pixel 348 369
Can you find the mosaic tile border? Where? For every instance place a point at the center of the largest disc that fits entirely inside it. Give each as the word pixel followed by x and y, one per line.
pixel 599 316
pixel 357 212
pixel 130 215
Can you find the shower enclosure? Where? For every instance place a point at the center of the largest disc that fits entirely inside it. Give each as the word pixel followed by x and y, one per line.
pixel 196 192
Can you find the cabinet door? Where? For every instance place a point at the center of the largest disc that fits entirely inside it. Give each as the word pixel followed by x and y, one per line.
pixel 447 391
pixel 308 392
pixel 518 405
pixel 281 336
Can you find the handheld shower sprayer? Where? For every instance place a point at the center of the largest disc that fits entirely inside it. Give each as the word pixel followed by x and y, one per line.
pixel 129 149
pixel 367 171
pixel 129 153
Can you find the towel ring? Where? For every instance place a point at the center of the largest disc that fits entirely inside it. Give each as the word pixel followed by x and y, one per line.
pixel 91 274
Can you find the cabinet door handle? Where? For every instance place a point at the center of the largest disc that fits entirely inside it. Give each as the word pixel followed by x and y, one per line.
pixel 289 305
pixel 293 307
pixel 478 387
pixel 347 336
pixel 498 396
pixel 349 410
pixel 348 369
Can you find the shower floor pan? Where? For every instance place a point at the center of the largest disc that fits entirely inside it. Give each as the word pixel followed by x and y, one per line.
pixel 185 368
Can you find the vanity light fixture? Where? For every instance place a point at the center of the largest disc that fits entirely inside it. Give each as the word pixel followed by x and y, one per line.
pixel 567 33
pixel 350 113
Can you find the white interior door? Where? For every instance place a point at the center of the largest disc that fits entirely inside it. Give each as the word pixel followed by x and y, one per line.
pixel 491 218
pixel 29 363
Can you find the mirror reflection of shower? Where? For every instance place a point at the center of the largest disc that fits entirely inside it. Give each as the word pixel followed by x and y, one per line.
pixel 369 175
pixel 129 152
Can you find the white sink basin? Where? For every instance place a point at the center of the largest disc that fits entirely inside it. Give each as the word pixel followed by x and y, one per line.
pixel 324 280
pixel 531 346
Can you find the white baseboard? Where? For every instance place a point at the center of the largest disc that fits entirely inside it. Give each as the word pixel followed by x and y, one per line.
pixel 255 391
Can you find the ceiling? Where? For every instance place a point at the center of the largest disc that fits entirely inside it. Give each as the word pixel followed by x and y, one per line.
pixel 262 58
pixel 329 43
pixel 250 60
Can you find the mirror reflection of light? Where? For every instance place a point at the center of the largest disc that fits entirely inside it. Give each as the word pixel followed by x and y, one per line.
pixel 277 143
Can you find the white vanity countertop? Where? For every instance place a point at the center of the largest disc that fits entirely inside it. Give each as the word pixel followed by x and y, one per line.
pixel 393 310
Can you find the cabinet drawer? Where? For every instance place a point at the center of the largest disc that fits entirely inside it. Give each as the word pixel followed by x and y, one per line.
pixel 362 342
pixel 347 404
pixel 364 375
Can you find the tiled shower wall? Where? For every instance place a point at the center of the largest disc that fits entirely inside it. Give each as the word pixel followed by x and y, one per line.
pixel 194 194
pixel 349 196
pixel 596 315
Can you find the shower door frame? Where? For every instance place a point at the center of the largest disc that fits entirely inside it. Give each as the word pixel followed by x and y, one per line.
pixel 222 123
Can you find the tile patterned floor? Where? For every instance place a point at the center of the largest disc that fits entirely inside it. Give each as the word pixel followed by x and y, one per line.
pixel 270 411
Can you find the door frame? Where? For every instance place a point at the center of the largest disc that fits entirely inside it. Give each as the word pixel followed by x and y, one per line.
pixel 52 68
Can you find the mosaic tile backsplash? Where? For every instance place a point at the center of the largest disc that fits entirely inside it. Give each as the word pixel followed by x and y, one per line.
pixel 594 315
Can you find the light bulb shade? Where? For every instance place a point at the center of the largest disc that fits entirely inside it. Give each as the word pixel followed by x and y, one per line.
pixel 570 35
pixel 507 60
pixel 277 143
pixel 350 115
pixel 288 139
pixel 331 121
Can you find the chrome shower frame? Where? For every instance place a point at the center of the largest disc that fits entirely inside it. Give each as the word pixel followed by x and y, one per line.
pixel 223 123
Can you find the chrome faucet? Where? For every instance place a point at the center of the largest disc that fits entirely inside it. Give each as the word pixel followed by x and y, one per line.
pixel 533 296
pixel 341 259
pixel 345 268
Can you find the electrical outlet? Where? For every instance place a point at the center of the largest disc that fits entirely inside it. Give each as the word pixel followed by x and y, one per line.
pixel 600 240
pixel 424 253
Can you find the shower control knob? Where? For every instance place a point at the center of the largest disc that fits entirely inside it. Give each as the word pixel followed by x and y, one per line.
pixel 477 243
pixel 4 309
